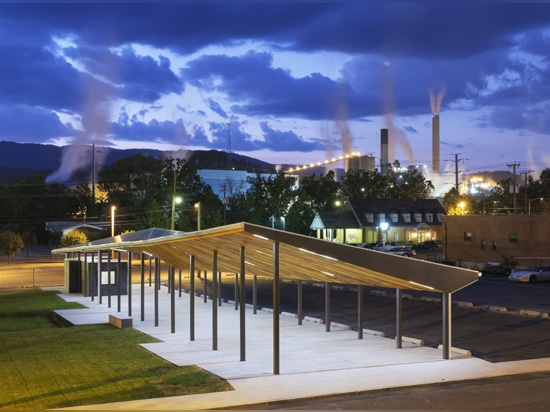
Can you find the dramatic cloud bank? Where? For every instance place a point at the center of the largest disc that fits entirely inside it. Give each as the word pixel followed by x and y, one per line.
pixel 286 82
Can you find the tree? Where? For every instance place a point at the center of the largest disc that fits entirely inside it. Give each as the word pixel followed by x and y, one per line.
pixel 409 185
pixel 362 184
pixel 10 243
pixel 321 192
pixel 29 239
pixel 273 196
pixel 55 239
pixel 74 237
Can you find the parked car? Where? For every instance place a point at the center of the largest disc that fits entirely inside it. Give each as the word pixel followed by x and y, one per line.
pixel 427 245
pixel 383 246
pixel 532 274
pixel 495 269
pixel 401 251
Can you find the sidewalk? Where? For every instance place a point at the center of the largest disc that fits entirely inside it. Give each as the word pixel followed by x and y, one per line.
pixel 313 362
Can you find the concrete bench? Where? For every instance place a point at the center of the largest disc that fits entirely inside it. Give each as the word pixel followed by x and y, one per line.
pixel 120 322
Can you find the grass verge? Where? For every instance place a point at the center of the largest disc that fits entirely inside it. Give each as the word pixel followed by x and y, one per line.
pixel 44 366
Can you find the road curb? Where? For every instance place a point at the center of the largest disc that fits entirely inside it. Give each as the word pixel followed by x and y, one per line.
pixel 533 313
pixel 464 352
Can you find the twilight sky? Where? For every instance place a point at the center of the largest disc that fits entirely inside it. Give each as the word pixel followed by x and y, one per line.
pixel 281 81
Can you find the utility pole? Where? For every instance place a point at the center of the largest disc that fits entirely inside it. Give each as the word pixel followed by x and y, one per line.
pixel 514 166
pixel 229 165
pixel 525 194
pixel 456 169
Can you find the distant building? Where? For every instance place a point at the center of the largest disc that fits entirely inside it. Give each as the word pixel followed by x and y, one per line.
pixel 374 220
pixel 227 182
pixel 518 240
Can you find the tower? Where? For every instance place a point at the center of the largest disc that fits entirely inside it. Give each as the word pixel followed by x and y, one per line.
pixel 384 160
pixel 436 162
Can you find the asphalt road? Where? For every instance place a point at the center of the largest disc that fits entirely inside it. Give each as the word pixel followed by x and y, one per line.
pixel 520 393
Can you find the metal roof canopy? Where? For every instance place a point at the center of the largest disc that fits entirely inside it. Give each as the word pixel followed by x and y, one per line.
pixel 258 250
pixel 300 258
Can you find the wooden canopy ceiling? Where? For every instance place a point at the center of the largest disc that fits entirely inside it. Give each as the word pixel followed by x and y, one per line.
pixel 300 258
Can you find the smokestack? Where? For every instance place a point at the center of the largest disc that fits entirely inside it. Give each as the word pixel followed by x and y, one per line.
pixel 384 160
pixel 436 166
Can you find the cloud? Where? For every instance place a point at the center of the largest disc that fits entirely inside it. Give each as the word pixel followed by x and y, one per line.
pixel 31 124
pixel 256 88
pixel 280 141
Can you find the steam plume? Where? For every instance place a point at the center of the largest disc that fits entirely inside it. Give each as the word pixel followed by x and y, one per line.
pixel 436 100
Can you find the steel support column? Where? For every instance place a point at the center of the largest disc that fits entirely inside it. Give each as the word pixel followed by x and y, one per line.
pixel 117 277
pixel 108 279
pixel 242 294
pixel 398 318
pixel 276 309
pixel 360 311
pixel 192 297
pixel 142 287
pixel 179 281
pixel 129 283
pixel 300 302
pixel 156 291
pixel 254 294
pixel 327 306
pixel 236 287
pixel 446 325
pixel 214 300
pixel 172 281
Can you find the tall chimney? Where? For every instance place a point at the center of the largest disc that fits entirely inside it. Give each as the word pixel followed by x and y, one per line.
pixel 436 163
pixel 384 161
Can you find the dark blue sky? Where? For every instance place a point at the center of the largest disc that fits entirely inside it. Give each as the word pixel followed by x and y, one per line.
pixel 281 81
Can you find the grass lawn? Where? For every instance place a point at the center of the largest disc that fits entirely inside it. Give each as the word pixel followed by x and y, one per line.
pixel 44 366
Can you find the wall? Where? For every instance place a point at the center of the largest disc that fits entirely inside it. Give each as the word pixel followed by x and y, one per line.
pixel 532 235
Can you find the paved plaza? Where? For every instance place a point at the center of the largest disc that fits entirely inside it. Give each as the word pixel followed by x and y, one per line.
pixel 313 362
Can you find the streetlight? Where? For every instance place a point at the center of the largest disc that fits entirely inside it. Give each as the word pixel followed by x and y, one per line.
pixel 284 224
pixel 198 207
pixel 385 226
pixel 113 208
pixel 486 203
pixel 178 200
pixel 532 200
pixel 462 204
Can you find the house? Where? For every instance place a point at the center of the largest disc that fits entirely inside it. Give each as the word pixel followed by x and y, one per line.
pixel 373 220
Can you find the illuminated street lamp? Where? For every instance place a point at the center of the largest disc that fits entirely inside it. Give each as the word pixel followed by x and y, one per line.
pixel 113 208
pixel 178 200
pixel 384 226
pixel 532 200
pixel 198 207
pixel 461 205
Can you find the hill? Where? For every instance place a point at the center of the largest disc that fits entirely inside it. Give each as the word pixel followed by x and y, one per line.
pixel 21 160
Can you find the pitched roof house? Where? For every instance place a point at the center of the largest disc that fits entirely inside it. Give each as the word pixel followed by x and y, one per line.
pixel 374 220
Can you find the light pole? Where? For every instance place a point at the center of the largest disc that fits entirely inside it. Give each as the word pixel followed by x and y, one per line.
pixel 178 200
pixel 284 224
pixel 198 207
pixel 113 208
pixel 486 203
pixel 385 226
pixel 532 200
